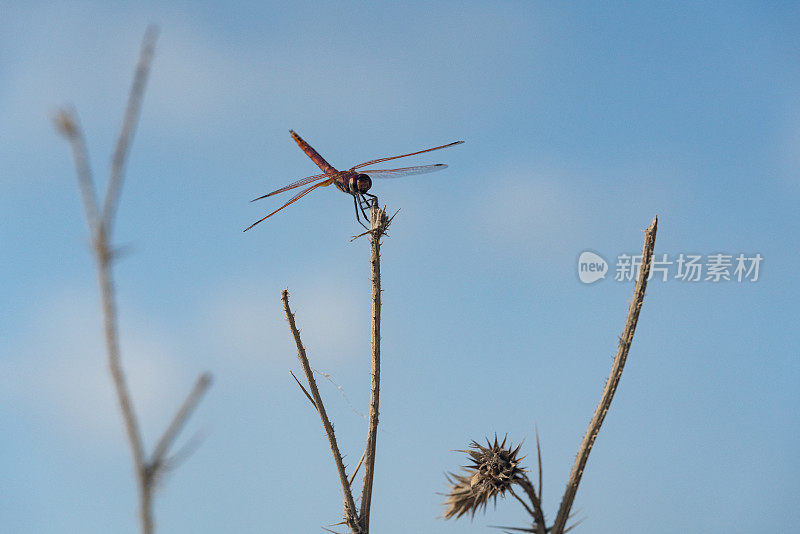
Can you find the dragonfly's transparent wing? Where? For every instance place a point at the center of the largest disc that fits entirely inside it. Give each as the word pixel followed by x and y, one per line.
pixel 372 162
pixel 292 200
pixel 301 181
pixel 405 171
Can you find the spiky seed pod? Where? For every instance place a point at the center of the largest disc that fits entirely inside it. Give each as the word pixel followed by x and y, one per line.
pixel 461 499
pixel 493 470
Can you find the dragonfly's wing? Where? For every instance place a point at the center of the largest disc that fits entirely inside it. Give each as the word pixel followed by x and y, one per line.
pixel 301 181
pixel 371 162
pixel 295 198
pixel 405 171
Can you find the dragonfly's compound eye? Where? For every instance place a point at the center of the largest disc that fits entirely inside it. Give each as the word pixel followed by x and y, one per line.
pixel 363 183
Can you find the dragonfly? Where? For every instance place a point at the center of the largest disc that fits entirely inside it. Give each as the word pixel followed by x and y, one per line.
pixel 355 181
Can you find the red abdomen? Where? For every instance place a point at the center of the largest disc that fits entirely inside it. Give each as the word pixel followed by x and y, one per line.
pixel 311 153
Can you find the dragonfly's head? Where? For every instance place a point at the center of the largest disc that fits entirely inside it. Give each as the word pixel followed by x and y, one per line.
pixel 359 184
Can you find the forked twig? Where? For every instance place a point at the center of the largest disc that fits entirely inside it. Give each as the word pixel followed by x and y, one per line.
pixel 100 228
pixel 350 514
pixel 305 391
pixel 611 384
pixel 171 462
pixel 358 466
pixel 372 230
pixel 357 521
pixel 179 420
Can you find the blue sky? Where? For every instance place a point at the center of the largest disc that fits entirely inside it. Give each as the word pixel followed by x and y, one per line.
pixel 581 123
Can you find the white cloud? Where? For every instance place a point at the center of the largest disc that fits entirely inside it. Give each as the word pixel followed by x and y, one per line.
pixel 248 328
pixel 534 210
pixel 62 54
pixel 61 373
pixel 200 85
pixel 85 54
pixel 59 57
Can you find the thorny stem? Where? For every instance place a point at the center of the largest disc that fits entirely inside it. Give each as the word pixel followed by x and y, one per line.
pixel 379 224
pixel 523 503
pixel 350 515
pixel 100 227
pixel 537 514
pixel 611 384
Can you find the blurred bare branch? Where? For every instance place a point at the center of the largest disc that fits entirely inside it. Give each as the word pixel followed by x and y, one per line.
pixel 179 420
pixel 100 227
pixel 67 124
pixel 129 124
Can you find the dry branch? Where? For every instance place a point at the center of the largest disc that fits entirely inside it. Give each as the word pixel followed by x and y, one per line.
pixel 379 224
pixel 100 227
pixel 611 384
pixel 128 127
pixel 350 515
pixel 468 493
pixel 357 521
pixel 179 420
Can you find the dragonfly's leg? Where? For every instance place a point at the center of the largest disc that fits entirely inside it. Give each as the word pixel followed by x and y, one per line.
pixel 358 216
pixel 371 198
pixel 364 204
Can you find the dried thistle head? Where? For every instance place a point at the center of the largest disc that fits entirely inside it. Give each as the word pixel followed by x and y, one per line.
pixel 492 471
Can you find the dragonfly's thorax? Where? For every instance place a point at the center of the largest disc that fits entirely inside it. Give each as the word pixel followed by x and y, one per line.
pixel 358 184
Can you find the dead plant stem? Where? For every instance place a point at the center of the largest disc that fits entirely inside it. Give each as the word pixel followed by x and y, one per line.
pixel 350 515
pixel 611 384
pixel 141 470
pixel 379 223
pixel 100 226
